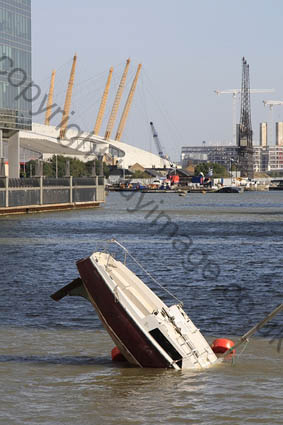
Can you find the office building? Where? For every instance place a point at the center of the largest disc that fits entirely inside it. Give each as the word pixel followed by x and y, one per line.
pixel 15 76
pixel 15 64
pixel 218 154
pixel 263 134
pixel 279 134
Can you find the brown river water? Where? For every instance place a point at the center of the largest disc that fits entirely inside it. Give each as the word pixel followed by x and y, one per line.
pixel 55 362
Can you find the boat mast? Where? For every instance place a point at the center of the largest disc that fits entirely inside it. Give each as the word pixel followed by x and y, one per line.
pixel 254 329
pixel 127 105
pixel 117 101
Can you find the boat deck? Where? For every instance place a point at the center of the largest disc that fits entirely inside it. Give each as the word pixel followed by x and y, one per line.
pixel 134 289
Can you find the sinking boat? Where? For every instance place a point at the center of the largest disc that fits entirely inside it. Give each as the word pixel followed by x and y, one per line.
pixel 147 332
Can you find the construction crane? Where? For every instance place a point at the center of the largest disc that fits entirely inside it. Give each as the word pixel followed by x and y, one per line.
pixel 157 142
pixel 235 93
pixel 245 137
pixel 271 104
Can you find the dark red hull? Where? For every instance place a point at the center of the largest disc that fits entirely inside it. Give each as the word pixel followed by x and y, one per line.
pixel 117 321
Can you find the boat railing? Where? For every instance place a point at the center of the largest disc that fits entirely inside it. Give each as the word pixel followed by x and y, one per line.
pixel 127 253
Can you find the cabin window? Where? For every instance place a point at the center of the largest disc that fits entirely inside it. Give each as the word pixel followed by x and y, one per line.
pixel 166 345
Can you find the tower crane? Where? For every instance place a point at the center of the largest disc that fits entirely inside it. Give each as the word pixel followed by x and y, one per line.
pixel 271 104
pixel 235 93
pixel 157 142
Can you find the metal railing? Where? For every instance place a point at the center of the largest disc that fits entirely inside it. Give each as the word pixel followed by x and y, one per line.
pixel 43 190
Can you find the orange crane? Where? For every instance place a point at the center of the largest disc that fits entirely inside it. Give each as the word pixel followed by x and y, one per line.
pixel 50 99
pixel 68 100
pixel 117 101
pixel 127 105
pixel 103 103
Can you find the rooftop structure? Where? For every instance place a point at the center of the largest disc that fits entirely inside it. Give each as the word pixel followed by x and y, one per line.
pixel 123 154
pixel 90 145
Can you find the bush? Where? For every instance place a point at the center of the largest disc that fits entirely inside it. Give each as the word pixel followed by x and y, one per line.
pixel 218 170
pixel 78 168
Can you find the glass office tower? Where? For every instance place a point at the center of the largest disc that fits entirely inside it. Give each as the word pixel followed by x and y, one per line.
pixel 15 66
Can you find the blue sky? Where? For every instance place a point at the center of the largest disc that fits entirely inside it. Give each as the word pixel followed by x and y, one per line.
pixel 187 48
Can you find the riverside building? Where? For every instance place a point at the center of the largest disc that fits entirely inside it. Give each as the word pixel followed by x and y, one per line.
pixel 266 157
pixel 219 154
pixel 15 77
pixel 269 157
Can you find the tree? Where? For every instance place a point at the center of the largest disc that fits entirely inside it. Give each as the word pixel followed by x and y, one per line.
pixel 61 165
pixel 48 169
pixel 218 170
pixel 30 168
pixel 89 167
pixel 78 168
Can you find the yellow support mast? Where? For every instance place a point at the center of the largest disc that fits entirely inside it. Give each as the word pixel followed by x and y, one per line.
pixel 117 101
pixel 68 100
pixel 50 99
pixel 103 104
pixel 127 105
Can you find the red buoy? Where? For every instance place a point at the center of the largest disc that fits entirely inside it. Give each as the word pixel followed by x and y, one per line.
pixel 221 345
pixel 117 356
